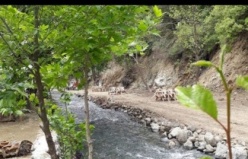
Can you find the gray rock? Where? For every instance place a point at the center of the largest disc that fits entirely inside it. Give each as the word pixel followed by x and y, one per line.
pixel 191 138
pixel 195 135
pixel 174 132
pixel 196 144
pixel 221 151
pixel 209 138
pixel 172 144
pixel 160 82
pixel 191 128
pixel 200 138
pixel 155 127
pixel 188 145
pixel 202 145
pixel 162 128
pixel 199 131
pixel 170 136
pixel 182 136
pixel 218 138
pixel 148 120
pixel 209 149
pixel 189 132
pixel 239 152
pixel 164 134
pixel 165 139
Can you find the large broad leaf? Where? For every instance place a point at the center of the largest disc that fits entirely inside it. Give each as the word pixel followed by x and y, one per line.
pixel 197 97
pixel 242 81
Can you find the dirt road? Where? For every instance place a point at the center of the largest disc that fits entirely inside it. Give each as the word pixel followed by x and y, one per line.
pixel 177 112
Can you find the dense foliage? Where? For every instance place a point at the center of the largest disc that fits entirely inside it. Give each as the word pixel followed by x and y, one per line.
pixel 45 45
pixel 199 28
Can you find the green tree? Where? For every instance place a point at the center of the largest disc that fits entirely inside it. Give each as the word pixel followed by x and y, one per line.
pixel 224 23
pixel 25 44
pixel 97 34
pixel 190 28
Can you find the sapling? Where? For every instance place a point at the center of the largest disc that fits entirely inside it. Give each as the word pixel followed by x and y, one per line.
pixel 199 97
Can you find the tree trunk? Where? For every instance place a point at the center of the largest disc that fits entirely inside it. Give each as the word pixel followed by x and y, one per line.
pixel 40 89
pixel 43 116
pixel 87 117
pixel 94 76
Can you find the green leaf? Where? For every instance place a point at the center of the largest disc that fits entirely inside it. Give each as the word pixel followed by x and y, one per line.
pixel 242 81
pixel 197 97
pixel 157 11
pixel 143 26
pixel 203 63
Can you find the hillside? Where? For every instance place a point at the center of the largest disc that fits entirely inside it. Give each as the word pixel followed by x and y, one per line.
pixel 161 70
pixel 158 69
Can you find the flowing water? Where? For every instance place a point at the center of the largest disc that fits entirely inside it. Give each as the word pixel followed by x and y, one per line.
pixel 117 137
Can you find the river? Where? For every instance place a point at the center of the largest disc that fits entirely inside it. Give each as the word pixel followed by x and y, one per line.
pixel 117 137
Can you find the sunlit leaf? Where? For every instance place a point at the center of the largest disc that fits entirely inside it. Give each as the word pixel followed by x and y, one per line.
pixel 157 11
pixel 197 97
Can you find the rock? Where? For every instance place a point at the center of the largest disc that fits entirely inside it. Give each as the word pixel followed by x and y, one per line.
pixel 164 134
pixel 162 128
pixel 209 138
pixel 209 149
pixel 188 145
pixel 200 138
pixel 195 135
pixel 202 145
pixel 239 152
pixel 199 131
pixel 170 136
pixel 155 120
pixel 174 132
pixel 172 144
pixel 191 138
pixel 182 136
pixel 154 127
pixel 148 120
pixel 189 132
pixel 196 144
pixel 159 82
pixel 167 128
pixel 25 148
pixel 191 128
pixel 165 139
pixel 218 138
pixel 221 151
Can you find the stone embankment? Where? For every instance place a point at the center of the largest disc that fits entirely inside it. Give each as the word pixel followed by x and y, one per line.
pixel 174 134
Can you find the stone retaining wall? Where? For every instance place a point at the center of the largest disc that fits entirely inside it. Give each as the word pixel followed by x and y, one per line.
pixel 174 134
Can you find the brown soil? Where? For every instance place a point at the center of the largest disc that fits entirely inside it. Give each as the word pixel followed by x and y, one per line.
pixel 176 112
